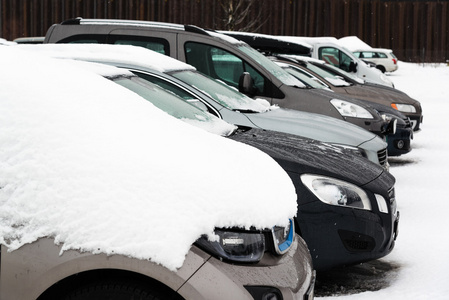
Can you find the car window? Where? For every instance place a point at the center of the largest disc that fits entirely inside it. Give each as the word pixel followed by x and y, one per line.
pixel 221 64
pixel 176 89
pixel 220 92
pixel 335 57
pixel 156 44
pixel 84 39
pixel 381 55
pixel 175 106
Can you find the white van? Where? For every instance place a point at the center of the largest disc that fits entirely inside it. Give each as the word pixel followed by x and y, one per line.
pixel 328 49
pixel 332 51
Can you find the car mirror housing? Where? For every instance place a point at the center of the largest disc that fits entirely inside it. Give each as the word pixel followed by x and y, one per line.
pixel 246 84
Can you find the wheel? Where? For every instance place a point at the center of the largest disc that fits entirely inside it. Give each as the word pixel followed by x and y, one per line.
pixel 381 68
pixel 118 290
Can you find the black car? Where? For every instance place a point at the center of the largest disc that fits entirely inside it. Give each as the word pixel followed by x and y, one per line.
pixel 346 204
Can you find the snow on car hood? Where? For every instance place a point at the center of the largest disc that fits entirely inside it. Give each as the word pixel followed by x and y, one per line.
pixel 310 125
pixel 100 169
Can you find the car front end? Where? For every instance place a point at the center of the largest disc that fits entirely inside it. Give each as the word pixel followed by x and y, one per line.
pixel 346 204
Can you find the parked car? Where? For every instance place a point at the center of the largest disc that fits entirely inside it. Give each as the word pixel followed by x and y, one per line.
pixel 98 202
pixel 221 100
pixel 399 142
pixel 328 49
pixel 364 188
pixel 384 59
pixel 224 58
pixel 360 89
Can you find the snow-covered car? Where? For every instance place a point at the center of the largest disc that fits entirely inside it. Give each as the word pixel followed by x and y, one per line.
pixel 384 59
pixel 332 184
pixel 96 201
pixel 221 100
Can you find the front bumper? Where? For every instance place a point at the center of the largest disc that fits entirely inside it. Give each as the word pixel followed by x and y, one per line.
pixel 400 142
pixel 290 275
pixel 339 236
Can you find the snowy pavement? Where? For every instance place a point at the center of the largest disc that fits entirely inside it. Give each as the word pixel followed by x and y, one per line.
pixel 418 267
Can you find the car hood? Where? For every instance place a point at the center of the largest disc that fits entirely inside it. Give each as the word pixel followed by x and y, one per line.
pixel 380 94
pixel 301 155
pixel 313 126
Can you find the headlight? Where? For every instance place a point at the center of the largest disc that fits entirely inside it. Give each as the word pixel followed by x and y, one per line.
pixel 247 246
pixel 404 107
pixel 348 109
pixel 336 192
pixel 235 246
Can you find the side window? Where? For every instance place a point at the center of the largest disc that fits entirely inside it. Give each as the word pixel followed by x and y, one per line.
pixel 84 39
pixel 221 64
pixel 335 57
pixel 156 44
pixel 330 55
pixel 382 55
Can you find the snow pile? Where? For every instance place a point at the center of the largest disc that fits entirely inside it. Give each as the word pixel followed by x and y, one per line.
pixel 100 169
pixel 353 43
pixel 422 246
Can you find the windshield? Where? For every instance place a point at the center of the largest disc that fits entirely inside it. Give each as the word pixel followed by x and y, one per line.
pixel 220 92
pixel 306 78
pixel 270 66
pixel 329 76
pixel 175 106
pixel 338 71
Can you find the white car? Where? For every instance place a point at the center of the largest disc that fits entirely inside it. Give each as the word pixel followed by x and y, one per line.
pixel 384 59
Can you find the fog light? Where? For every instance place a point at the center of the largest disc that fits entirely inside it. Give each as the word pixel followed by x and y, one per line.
pixel 400 144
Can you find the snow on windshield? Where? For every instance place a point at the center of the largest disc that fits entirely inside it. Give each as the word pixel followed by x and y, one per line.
pixel 100 169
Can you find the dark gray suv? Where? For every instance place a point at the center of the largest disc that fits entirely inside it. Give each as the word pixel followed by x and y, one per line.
pixel 224 58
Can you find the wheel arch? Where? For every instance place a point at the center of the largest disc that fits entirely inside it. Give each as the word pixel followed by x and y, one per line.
pixel 77 280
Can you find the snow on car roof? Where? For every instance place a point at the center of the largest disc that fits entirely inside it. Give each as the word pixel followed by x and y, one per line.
pixel 100 169
pixel 110 53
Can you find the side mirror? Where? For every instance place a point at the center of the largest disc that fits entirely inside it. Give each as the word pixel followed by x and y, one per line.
pixel 353 67
pixel 246 84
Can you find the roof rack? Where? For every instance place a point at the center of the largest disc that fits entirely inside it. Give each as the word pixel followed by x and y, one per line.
pixel 270 45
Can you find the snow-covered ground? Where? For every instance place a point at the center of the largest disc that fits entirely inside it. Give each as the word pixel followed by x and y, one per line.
pixel 418 267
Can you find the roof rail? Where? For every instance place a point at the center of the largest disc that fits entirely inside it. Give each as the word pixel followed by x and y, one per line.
pixel 75 21
pixel 195 29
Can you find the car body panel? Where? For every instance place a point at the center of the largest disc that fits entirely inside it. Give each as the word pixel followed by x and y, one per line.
pixel 31 270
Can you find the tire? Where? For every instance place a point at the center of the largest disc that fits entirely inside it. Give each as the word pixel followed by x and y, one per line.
pixel 118 290
pixel 381 68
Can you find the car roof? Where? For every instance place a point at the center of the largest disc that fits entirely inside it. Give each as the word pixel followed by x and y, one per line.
pixel 121 54
pixel 152 24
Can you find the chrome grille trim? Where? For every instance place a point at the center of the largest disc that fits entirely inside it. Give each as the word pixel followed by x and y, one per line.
pixel 383 157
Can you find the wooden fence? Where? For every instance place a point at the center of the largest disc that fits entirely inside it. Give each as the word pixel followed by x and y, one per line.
pixel 416 30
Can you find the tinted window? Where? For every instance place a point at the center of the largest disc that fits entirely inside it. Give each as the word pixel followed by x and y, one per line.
pixel 335 57
pixel 156 44
pixel 85 39
pixel 221 64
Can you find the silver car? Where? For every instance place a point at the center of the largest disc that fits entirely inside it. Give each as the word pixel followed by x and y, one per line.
pixel 223 101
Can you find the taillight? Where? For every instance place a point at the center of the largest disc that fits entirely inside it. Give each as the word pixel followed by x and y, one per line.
pixel 394 60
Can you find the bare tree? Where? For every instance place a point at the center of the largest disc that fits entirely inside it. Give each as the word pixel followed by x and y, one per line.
pixel 238 14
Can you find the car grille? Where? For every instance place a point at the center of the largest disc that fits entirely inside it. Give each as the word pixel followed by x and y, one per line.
pixel 383 157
